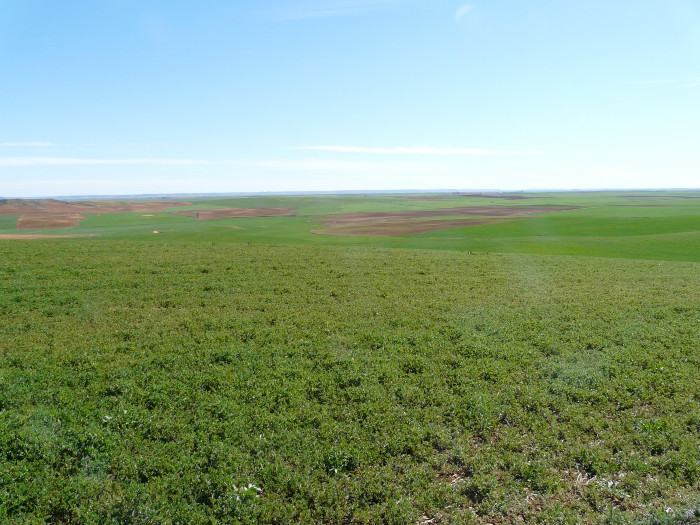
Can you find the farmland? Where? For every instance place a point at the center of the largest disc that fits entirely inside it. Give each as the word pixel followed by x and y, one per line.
pixel 347 359
pixel 635 225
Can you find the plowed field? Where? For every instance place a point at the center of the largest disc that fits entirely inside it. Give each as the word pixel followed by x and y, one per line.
pixel 47 213
pixel 401 223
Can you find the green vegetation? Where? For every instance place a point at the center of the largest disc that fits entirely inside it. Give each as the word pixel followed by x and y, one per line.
pixel 632 225
pixel 244 371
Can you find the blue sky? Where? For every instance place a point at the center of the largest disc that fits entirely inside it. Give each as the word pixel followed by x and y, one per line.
pixel 153 96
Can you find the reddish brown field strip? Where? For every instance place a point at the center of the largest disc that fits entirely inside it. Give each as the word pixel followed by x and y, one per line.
pixel 400 223
pixel 48 207
pixel 488 211
pixel 28 222
pixel 49 213
pixel 402 227
pixel 21 236
pixel 229 213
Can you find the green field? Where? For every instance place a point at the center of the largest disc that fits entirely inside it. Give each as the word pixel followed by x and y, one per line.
pixel 635 225
pixel 543 370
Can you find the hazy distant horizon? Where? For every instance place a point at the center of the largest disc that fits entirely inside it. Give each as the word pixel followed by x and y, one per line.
pixel 484 191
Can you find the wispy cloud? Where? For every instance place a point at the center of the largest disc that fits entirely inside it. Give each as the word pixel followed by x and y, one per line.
pixel 327 165
pixel 462 12
pixel 327 8
pixel 61 161
pixel 25 144
pixel 400 150
pixel 323 165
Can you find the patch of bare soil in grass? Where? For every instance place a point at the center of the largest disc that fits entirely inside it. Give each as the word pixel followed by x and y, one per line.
pixel 136 207
pixel 229 213
pixel 50 213
pixel 30 222
pixel 487 211
pixel 401 223
pixel 402 227
pixel 50 206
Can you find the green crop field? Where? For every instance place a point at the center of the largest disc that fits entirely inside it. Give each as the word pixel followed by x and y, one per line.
pixel 542 369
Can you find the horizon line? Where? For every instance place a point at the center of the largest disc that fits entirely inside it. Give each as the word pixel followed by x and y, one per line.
pixel 346 192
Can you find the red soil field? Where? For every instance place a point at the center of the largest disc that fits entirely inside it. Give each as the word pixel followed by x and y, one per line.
pixel 399 223
pixel 28 222
pixel 49 213
pixel 402 227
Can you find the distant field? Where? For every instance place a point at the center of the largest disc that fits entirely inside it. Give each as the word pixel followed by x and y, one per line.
pixel 636 225
pixel 541 369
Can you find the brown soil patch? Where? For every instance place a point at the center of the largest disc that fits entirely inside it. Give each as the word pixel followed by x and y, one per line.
pixel 229 213
pixel 400 223
pixel 488 211
pixel 28 222
pixel 135 207
pixel 19 236
pixel 33 207
pixel 49 213
pixel 402 227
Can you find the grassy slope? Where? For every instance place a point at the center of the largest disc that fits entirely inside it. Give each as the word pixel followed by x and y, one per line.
pixel 147 382
pixel 8 222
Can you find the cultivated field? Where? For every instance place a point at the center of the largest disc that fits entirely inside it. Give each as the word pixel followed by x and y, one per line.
pixel 535 360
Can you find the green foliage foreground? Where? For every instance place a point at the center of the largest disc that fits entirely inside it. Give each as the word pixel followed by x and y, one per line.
pixel 160 382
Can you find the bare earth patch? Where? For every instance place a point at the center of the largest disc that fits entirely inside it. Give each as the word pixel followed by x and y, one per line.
pixel 488 211
pixel 49 213
pixel 400 223
pixel 229 213
pixel 33 207
pixel 403 227
pixel 28 222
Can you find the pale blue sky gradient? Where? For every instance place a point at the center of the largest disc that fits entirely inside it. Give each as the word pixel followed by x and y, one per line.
pixel 154 96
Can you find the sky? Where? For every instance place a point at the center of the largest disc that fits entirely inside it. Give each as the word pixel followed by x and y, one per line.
pixel 101 97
